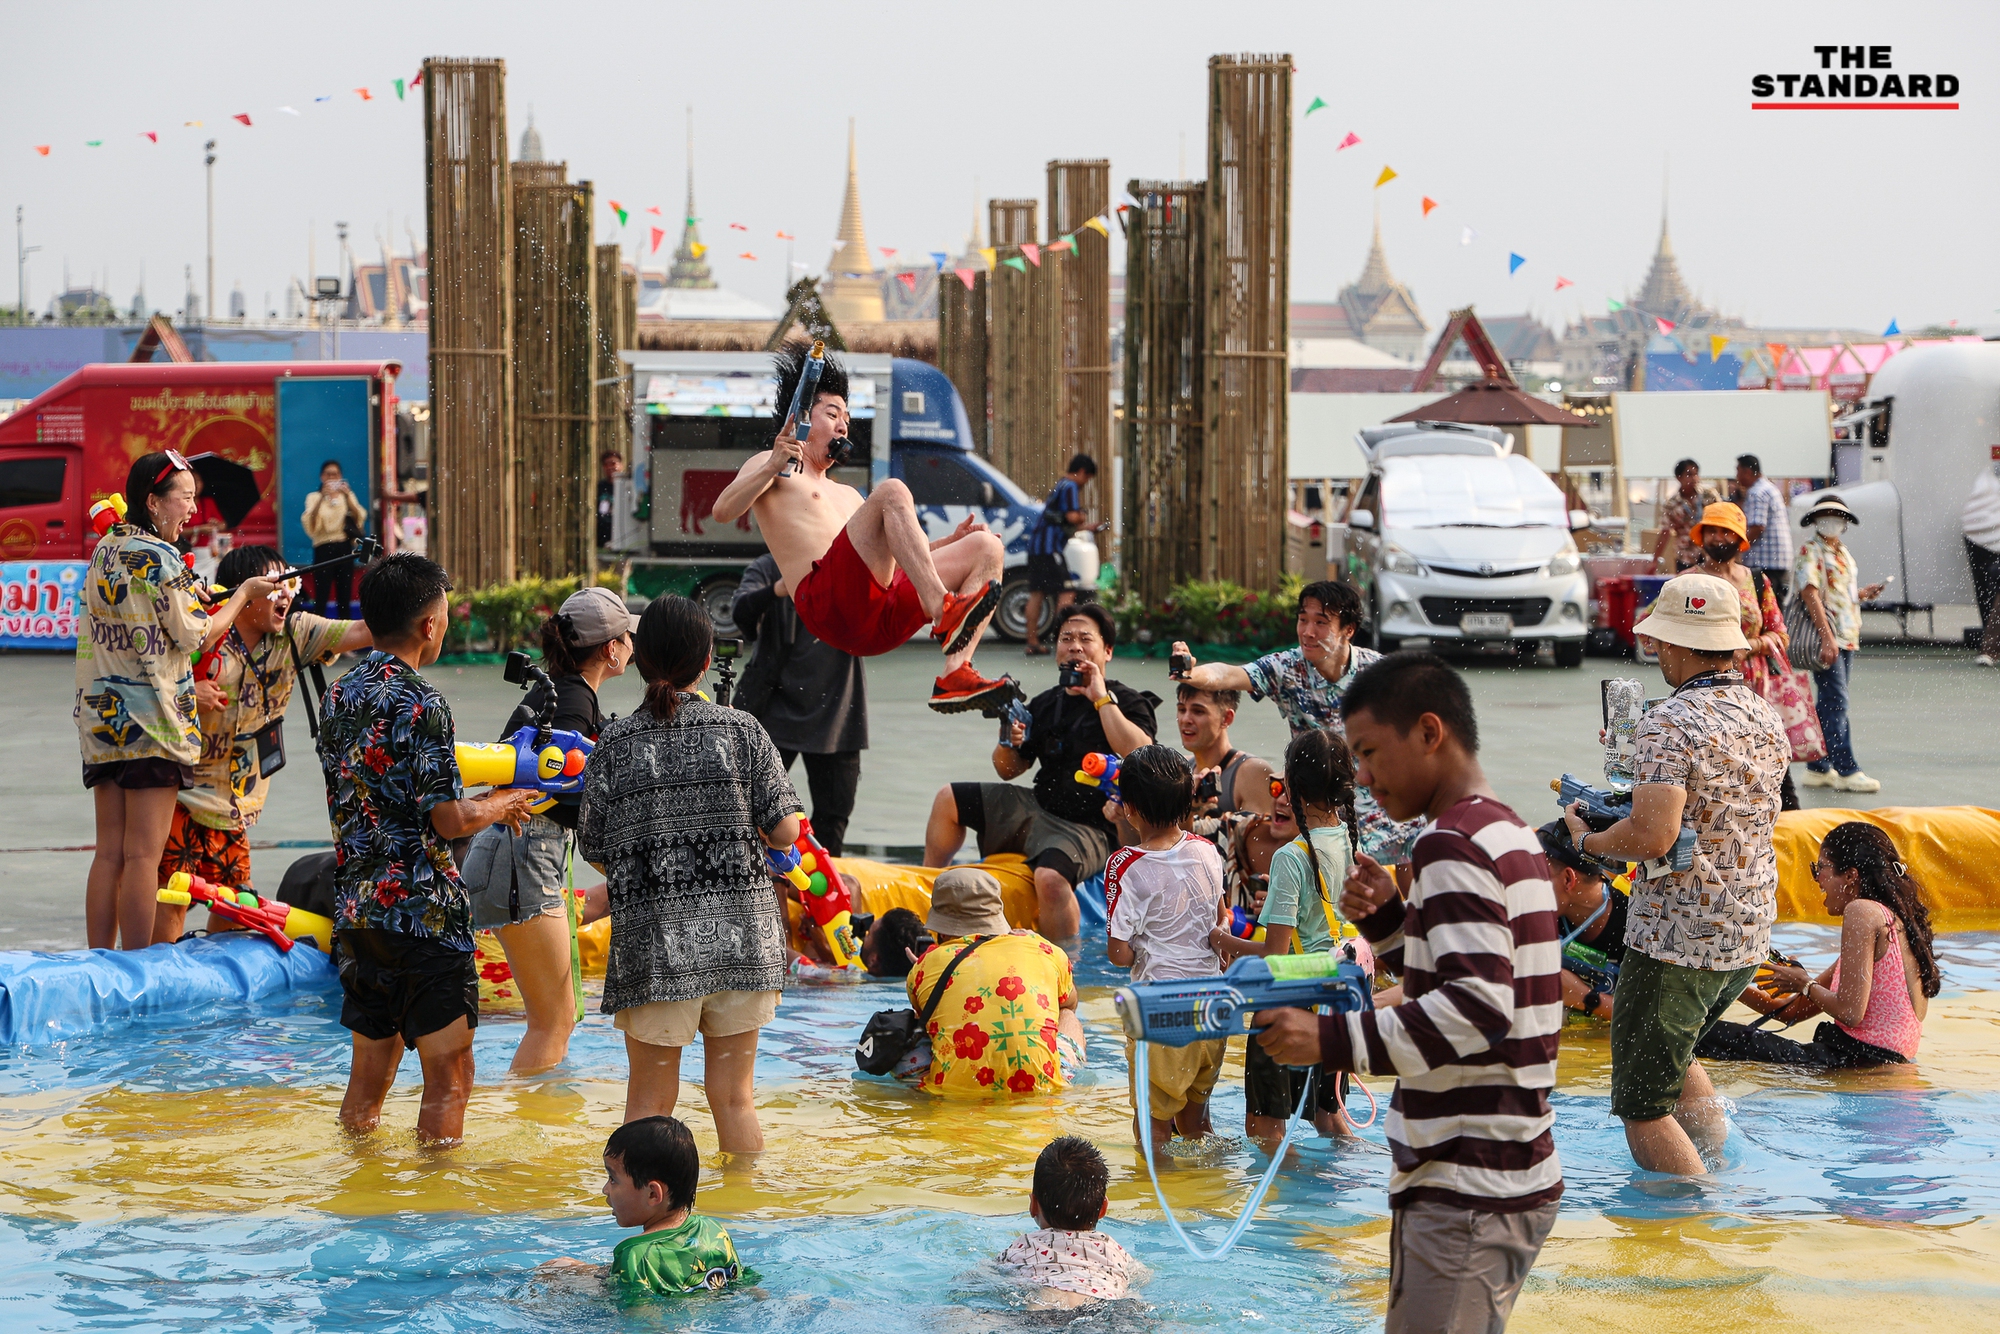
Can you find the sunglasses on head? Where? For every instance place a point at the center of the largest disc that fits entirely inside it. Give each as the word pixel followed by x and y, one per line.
pixel 175 463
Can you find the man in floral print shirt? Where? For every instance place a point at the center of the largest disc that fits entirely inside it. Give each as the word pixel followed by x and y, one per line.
pixel 392 791
pixel 1008 1018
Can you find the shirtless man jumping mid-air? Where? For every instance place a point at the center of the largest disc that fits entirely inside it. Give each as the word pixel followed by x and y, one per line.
pixel 861 574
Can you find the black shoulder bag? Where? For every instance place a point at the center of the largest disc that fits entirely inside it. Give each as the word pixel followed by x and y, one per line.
pixel 890 1034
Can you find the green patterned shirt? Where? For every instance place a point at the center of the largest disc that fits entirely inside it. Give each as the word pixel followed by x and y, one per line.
pixel 697 1256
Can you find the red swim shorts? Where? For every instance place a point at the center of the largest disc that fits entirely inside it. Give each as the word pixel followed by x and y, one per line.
pixel 843 606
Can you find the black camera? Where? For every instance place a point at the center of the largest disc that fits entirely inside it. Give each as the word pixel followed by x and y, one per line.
pixel 1179 665
pixel 1069 675
pixel 515 672
pixel 1207 790
pixel 725 649
pixel 839 452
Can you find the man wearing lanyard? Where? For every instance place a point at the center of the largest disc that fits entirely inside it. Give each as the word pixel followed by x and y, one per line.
pixel 1711 757
pixel 248 681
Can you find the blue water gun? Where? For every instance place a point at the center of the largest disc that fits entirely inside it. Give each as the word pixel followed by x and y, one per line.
pixel 1176 1013
pixel 1014 711
pixel 1604 807
pixel 1243 924
pixel 1100 769
pixel 804 394
pixel 538 755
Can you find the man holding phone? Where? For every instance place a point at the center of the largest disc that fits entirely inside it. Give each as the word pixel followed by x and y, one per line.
pixel 1059 824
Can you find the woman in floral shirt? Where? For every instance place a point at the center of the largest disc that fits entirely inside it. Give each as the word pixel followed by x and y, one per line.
pixel 1007 1022
pixel 143 624
pixel 1825 577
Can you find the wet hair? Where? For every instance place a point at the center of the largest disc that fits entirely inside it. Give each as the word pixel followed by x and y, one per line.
pixel 1403 687
pixel 1083 463
pixel 241 563
pixel 789 363
pixel 899 930
pixel 1751 462
pixel 1157 785
pixel 658 1148
pixel 1336 600
pixel 559 656
pixel 672 648
pixel 1882 878
pixel 1319 771
pixel 1107 629
pixel 1559 846
pixel 1686 466
pixel 1224 699
pixel 140 482
pixel 1070 1180
pixel 396 591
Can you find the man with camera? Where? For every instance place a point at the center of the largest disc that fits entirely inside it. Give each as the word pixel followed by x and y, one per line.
pixel 1059 824
pixel 1711 757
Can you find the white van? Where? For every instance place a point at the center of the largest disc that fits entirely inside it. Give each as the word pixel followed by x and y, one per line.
pixel 1456 537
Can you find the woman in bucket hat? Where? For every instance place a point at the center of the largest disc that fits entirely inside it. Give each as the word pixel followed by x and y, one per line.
pixel 1724 537
pixel 1825 576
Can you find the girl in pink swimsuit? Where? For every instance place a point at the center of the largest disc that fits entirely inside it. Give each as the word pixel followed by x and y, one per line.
pixel 1885 933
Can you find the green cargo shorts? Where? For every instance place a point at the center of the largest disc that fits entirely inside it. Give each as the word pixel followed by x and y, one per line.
pixel 1662 1010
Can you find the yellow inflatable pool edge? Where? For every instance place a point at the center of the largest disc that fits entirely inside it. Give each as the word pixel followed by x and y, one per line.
pixel 1952 851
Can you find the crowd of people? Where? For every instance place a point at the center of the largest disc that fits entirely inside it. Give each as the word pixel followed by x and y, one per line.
pixel 1377 837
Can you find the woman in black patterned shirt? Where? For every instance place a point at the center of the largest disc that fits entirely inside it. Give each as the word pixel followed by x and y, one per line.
pixel 680 801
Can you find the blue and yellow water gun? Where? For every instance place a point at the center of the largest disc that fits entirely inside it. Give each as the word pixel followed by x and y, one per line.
pixel 1101 770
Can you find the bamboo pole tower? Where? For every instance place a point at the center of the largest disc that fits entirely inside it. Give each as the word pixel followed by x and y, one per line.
pixel 1079 191
pixel 468 214
pixel 1247 240
pixel 612 392
pixel 1025 311
pixel 555 354
pixel 1165 380
pixel 962 347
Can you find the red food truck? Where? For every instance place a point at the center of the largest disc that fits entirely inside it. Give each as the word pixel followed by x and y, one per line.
pixel 272 424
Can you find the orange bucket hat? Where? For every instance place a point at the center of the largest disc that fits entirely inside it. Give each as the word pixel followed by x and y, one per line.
pixel 1727 517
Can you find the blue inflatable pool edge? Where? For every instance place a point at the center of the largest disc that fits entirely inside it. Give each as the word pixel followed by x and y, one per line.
pixel 47 997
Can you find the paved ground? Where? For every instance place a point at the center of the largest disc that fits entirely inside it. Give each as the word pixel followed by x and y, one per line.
pixel 1925 723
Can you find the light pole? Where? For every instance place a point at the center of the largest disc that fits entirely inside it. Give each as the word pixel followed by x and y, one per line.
pixel 21 253
pixel 209 309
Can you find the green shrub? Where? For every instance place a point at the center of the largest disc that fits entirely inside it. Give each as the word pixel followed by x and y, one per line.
pixel 1213 612
pixel 510 615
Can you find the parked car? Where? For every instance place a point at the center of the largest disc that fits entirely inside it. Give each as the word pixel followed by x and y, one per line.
pixel 1454 537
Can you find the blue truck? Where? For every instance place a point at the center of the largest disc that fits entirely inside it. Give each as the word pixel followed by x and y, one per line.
pixel 696 416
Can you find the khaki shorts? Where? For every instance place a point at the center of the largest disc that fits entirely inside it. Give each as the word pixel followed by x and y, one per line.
pixel 674 1023
pixel 1458 1271
pixel 1176 1076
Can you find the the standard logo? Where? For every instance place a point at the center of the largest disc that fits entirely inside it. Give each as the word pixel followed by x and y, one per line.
pixel 1854 78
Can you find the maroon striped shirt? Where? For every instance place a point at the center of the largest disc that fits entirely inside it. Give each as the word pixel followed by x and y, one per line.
pixel 1473 1045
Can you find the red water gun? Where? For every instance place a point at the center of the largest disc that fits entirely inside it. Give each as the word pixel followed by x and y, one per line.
pixel 825 896
pixel 277 922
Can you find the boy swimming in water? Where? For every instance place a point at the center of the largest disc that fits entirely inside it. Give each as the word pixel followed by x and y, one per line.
pixel 1066 1258
pixel 650 1171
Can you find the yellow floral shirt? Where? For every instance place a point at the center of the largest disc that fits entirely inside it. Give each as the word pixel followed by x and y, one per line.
pixel 134 652
pixel 995 1029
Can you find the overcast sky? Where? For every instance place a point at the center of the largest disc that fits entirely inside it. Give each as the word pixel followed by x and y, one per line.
pixel 1544 127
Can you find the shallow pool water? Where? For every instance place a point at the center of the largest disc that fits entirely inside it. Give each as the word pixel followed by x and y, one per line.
pixel 185 1173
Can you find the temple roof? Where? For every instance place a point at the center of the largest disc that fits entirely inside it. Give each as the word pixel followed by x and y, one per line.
pixel 690 271
pixel 851 255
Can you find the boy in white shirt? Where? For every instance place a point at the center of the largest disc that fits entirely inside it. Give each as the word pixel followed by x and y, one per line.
pixel 1165 894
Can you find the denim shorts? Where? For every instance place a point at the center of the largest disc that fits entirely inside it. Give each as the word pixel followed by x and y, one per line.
pixel 534 889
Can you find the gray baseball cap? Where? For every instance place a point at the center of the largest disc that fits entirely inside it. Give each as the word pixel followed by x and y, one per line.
pixel 593 616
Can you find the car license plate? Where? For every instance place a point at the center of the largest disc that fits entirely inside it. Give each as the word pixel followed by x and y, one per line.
pixel 1486 623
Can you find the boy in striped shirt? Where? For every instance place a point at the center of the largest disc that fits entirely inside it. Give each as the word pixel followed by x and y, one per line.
pixel 1473 1044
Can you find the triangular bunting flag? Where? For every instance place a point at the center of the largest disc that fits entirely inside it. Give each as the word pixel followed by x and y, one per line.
pixel 907 279
pixel 1014 262
pixel 966 276
pixel 243 116
pixel 1717 342
pixel 655 211
pixel 1101 226
pixel 364 94
pixel 1066 243
pixel 1892 330
pixel 416 82
pixel 43 149
pixel 1615 305
pixel 939 259
pixel 195 123
pixel 746 255
pixel 289 111
pixel 622 214
pixel 698 249
pixel 786 236
pixel 93 143
pixel 738 227
pixel 1514 262
pixel 1562 282
pixel 1429 204
pixel 327 98
pixel 658 234
pixel 1317 103
pixel 1388 174
pixel 1350 141
pixel 153 135
pixel 888 250
pixel 399 89
pixel 1033 252
pixel 988 253
pixel 1777 351
pixel 1666 326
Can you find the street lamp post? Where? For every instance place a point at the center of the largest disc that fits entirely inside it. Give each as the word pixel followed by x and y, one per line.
pixel 21 253
pixel 209 162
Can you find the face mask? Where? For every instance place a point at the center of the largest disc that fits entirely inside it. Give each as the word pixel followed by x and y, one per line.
pixel 1831 527
pixel 1720 552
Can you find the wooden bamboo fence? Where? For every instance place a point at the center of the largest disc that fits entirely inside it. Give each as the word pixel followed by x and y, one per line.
pixel 1165 379
pixel 1029 425
pixel 612 391
pixel 1247 240
pixel 555 354
pixel 1079 191
pixel 962 349
pixel 468 212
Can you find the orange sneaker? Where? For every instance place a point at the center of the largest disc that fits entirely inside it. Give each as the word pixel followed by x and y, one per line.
pixel 961 614
pixel 964 690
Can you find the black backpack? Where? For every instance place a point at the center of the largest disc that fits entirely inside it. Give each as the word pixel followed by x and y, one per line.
pixel 891 1034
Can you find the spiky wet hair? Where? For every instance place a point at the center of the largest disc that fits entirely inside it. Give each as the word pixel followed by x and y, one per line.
pixel 789 363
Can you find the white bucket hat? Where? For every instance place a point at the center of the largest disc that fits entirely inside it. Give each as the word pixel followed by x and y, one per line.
pixel 1696 611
